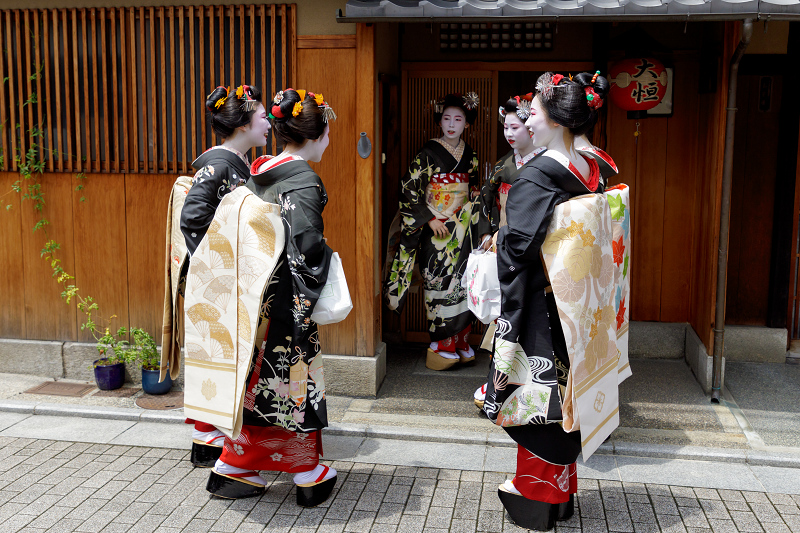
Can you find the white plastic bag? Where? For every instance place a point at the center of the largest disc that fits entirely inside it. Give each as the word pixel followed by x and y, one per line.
pixel 483 285
pixel 334 302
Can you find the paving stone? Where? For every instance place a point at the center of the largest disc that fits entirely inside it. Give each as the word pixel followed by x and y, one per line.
pixel 642 513
pixel 591 505
pixel 50 517
pixel 411 523
pixel 439 517
pixel 664 505
pixel 341 510
pixel 593 525
pixel 731 495
pixel 423 487
pixel 737 505
pixel 633 488
pixel 583 484
pixel 491 521
pixel 397 493
pixel 41 504
pixel 369 501
pixel 637 498
pixel 614 501
pixel 745 521
pixel 444 497
pixel 97 521
pixel 417 505
pixel 787 509
pixel 389 513
pixel 776 527
pixel 619 521
pixel 332 526
pixel 466 509
pixel 360 521
pixel 693 517
pixel 686 502
pixel 765 512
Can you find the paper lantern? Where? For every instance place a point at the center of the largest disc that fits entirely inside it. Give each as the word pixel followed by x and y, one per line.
pixel 638 84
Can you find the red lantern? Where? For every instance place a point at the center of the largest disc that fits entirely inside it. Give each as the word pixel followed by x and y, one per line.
pixel 638 84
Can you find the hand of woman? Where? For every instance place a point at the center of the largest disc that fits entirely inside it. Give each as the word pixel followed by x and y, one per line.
pixel 486 241
pixel 439 228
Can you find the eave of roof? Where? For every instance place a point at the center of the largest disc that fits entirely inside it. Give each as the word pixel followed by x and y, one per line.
pixel 567 10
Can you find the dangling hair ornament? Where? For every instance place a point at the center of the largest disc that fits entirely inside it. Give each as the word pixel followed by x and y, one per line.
pixel 546 83
pixel 438 106
pixel 244 92
pixel 471 100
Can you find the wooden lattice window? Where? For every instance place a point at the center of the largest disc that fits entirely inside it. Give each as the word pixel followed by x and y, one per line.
pixel 123 89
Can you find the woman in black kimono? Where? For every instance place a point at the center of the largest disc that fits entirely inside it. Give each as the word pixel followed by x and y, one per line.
pixel 241 121
pixel 284 405
pixel 437 214
pixel 529 333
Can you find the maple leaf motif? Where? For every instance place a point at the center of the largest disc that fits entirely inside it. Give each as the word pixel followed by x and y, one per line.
pixel 619 251
pixel 616 205
pixel 575 228
pixel 621 314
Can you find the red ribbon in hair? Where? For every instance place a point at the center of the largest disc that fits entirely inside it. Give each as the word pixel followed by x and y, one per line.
pixel 276 112
pixel 595 102
pixel 556 79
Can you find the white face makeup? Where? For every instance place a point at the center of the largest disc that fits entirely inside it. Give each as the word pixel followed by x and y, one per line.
pixel 257 131
pixel 542 129
pixel 453 122
pixel 517 135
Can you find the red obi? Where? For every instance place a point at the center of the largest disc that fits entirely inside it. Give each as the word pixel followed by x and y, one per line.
pixel 457 177
pixel 504 188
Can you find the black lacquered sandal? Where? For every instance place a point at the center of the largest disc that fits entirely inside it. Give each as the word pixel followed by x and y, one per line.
pixel 204 455
pixel 566 509
pixel 530 514
pixel 313 494
pixel 233 486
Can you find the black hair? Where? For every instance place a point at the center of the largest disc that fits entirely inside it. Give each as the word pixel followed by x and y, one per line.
pixel 566 103
pixel 308 124
pixel 232 114
pixel 456 100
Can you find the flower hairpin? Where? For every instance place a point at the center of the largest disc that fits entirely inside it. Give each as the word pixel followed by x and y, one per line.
pixel 471 100
pixel 502 112
pixel 546 84
pixel 278 98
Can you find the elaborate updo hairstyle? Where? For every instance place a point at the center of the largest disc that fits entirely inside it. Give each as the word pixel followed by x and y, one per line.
pixel 517 105
pixel 298 115
pixel 573 103
pixel 467 103
pixel 230 110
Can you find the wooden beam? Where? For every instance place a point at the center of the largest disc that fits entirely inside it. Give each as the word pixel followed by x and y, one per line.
pixel 326 41
pixel 367 313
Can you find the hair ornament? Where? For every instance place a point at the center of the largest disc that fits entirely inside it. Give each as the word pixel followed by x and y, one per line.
pixel 297 109
pixel 327 112
pixel 593 99
pixel 547 82
pixel 276 112
pixel 502 112
pixel 471 100
pixel 278 98
pixel 523 108
pixel 302 94
pixel 594 78
pixel 318 99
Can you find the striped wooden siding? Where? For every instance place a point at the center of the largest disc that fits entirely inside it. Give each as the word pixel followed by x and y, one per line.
pixel 123 89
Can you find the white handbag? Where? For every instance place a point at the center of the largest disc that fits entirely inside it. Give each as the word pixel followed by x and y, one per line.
pixel 334 303
pixel 483 285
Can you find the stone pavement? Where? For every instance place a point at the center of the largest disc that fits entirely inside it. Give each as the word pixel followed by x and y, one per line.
pixel 62 484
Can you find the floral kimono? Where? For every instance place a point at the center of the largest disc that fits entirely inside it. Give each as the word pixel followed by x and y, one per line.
pixel 219 171
pixel 530 362
pixel 438 185
pixel 284 404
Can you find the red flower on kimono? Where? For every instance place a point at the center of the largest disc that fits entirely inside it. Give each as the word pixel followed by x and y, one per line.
pixel 621 314
pixel 619 251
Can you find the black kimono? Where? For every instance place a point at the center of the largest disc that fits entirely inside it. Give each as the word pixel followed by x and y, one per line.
pixel 529 325
pixel 436 186
pixel 286 372
pixel 219 171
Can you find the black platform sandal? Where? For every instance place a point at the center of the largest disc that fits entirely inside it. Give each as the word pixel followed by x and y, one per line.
pixel 313 494
pixel 204 455
pixel 232 486
pixel 566 509
pixel 530 514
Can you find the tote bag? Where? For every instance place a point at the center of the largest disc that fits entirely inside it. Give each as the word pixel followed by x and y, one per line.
pixel 483 285
pixel 334 302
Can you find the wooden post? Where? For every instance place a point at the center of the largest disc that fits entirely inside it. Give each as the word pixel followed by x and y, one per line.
pixel 367 313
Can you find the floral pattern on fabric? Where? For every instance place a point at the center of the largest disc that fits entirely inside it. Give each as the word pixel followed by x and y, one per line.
pixel 272 448
pixel 442 260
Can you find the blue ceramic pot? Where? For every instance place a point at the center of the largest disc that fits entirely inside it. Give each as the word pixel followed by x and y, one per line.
pixel 151 385
pixel 109 377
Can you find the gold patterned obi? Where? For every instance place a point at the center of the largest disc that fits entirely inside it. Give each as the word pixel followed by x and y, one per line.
pixel 447 193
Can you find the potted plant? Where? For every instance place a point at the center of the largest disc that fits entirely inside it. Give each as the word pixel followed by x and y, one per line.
pixel 109 369
pixel 145 354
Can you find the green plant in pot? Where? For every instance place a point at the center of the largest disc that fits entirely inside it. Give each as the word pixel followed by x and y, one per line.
pixel 114 350
pixel 145 354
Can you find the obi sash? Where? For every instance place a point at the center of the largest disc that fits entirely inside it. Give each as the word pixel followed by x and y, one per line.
pixel 447 193
pixel 502 198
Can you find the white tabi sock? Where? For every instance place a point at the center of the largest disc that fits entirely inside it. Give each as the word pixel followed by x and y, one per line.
pixel 469 352
pixel 212 438
pixel 509 486
pixel 302 478
pixel 480 394
pixel 446 355
pixel 224 468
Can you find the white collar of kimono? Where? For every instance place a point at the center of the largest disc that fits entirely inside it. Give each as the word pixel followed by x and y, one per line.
pixel 242 156
pixel 456 152
pixel 519 161
pixel 564 160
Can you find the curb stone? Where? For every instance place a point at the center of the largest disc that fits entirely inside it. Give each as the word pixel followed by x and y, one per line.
pixel 615 448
